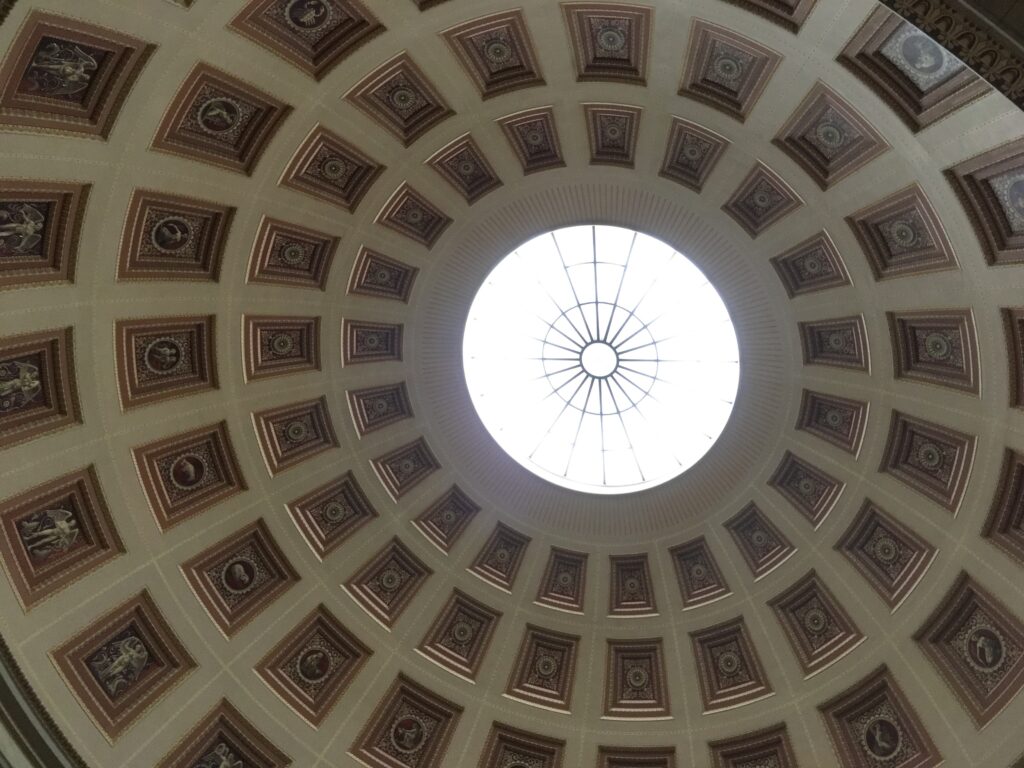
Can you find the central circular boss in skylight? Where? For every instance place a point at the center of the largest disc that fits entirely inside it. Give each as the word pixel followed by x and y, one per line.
pixel 601 359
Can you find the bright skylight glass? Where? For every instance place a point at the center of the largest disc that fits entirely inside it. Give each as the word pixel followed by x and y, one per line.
pixel 601 359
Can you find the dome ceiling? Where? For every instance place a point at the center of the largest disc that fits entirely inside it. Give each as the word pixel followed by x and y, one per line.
pixel 249 514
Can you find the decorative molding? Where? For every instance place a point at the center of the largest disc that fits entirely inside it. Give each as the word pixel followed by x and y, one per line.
pixel 610 41
pixel 817 626
pixel 216 118
pixel 364 341
pixel 509 747
pixel 564 582
pixel 1005 524
pixel 841 342
pixel 374 408
pixel 463 165
pixel 636 757
pixel 534 139
pixel 726 70
pixel 767 748
pixel 42 223
pixel 790 14
pixel 937 346
pixel 170 237
pixel 836 420
pixel 37 376
pixel 386 584
pixel 122 663
pixel 313 664
pixel 612 130
pixel 64 75
pixel 500 557
pixel 56 533
pixel 187 473
pixel 460 635
pixel 160 358
pixel 545 669
pixel 291 255
pixel 410 213
pixel 400 98
pixel 812 491
pixel 328 515
pixel 409 728
pixel 313 36
pixel 812 265
pixel 691 154
pixel 700 578
pixel 762 199
pixel 496 52
pixel 275 345
pixel 967 36
pixel 977 644
pixel 381 277
pixel 332 170
pixel 763 546
pixel 445 520
pixel 401 469
pixel 828 138
pixel 935 461
pixel 873 722
pixel 225 737
pixel 290 434
pixel 728 668
pixel 236 578
pixel 892 557
pixel 909 69
pixel 635 684
pixel 632 589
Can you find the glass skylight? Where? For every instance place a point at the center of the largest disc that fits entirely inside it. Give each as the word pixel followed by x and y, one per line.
pixel 601 359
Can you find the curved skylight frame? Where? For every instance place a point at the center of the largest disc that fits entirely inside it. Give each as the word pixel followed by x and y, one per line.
pixel 539 365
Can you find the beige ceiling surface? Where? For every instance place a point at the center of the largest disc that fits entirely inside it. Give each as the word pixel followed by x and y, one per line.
pixel 735 472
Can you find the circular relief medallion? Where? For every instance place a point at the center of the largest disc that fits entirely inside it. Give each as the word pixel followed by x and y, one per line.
pixel 162 356
pixel 565 579
pixel 313 665
pixel 923 54
pixel 886 550
pixel 218 114
pixel 170 234
pixel 806 486
pixel 282 343
pixel 497 52
pixel 296 431
pixel 307 14
pixel 402 97
pixel 833 417
pixel 830 135
pixel 631 585
pixel 535 137
pixel 589 369
pixel 408 734
pixel 369 341
pixel 334 168
pixel 836 341
pixel 815 621
pixel 448 516
pixel 813 265
pixel 293 254
pixel 188 471
pixel 336 511
pixel 729 663
pixel 938 346
pixel 881 738
pixel 728 68
pixel 546 667
pixel 692 151
pixel 985 649
pixel 611 39
pixel 390 579
pixel 637 677
pixel 698 571
pixel 759 538
pixel 903 234
pixel 239 575
pixel 929 456
pixel 462 632
pixel 502 555
pixel 466 168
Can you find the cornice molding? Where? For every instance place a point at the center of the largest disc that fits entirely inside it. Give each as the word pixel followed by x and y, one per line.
pixel 27 724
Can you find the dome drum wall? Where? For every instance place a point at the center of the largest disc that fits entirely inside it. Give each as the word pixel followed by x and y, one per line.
pixel 314 428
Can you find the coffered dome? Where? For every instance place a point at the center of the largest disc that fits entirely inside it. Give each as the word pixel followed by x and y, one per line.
pixel 250 515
